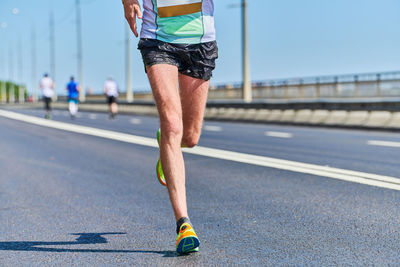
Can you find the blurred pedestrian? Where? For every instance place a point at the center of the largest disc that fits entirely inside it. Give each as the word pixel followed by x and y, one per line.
pixel 73 97
pixel 47 87
pixel 111 92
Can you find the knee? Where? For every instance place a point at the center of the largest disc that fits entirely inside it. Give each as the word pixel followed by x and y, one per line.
pixel 171 129
pixel 190 140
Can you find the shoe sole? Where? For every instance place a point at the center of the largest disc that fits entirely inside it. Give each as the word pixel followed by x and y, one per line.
pixel 188 244
pixel 158 166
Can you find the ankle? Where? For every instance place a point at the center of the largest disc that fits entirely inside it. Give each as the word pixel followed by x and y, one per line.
pixel 180 222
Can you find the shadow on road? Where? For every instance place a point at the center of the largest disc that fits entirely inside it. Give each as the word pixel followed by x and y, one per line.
pixel 83 239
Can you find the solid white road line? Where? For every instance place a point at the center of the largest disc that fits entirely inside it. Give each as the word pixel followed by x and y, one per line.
pixel 383 143
pixel 212 128
pixel 336 173
pixel 135 121
pixel 279 134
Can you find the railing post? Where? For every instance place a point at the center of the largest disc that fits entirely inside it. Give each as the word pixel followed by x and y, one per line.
pixel 378 85
pixel 272 88
pixel 336 86
pixel 301 88
pixel 286 88
pixel 356 93
pixel 318 89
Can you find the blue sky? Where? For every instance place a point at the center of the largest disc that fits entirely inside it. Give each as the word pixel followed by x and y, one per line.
pixel 288 38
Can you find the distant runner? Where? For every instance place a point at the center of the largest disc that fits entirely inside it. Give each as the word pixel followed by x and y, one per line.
pixel 111 92
pixel 178 46
pixel 73 97
pixel 47 86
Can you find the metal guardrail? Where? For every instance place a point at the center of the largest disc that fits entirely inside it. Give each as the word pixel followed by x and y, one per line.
pixel 368 85
pixel 384 85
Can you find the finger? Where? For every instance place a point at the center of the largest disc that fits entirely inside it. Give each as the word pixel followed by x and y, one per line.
pixel 134 25
pixel 138 12
pixel 135 30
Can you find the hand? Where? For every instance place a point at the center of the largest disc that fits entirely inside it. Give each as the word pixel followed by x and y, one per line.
pixel 132 9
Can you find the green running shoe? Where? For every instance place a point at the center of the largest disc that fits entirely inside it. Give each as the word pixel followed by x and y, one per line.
pixel 187 240
pixel 160 173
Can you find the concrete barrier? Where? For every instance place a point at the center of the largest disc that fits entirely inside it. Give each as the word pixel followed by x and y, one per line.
pixel 239 114
pixel 319 116
pixel 262 115
pixel 250 114
pixel 303 116
pixel 378 119
pixel 356 118
pixel 288 115
pixel 275 115
pixel 394 122
pixel 336 117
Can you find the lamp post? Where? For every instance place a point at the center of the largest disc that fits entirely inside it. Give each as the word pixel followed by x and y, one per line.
pixel 33 62
pixel 53 52
pixel 247 90
pixel 129 92
pixel 79 48
pixel 3 25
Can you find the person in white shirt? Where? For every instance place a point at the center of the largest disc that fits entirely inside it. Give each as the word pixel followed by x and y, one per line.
pixel 47 87
pixel 111 92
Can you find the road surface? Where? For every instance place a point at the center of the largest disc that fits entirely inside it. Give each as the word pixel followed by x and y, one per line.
pixel 287 196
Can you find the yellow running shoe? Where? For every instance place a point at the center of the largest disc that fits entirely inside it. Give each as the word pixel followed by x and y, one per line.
pixel 160 173
pixel 187 240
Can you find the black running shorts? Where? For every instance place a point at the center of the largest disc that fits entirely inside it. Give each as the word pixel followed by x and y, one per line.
pixel 47 103
pixel 111 99
pixel 194 60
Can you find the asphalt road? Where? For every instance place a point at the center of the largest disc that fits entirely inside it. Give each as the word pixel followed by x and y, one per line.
pixel 74 199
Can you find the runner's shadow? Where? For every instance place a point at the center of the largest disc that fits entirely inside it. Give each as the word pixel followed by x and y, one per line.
pixel 83 239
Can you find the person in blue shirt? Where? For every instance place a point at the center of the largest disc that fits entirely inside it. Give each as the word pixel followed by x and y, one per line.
pixel 73 97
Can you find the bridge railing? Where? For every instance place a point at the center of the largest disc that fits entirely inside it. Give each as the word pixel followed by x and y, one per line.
pixel 339 87
pixel 370 85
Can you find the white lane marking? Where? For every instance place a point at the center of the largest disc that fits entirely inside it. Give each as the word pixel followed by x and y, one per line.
pixel 212 128
pixel 324 171
pixel 92 116
pixel 135 121
pixel 383 143
pixel 279 134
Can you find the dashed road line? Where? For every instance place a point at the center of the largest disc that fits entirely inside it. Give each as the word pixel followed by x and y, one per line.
pixel 279 134
pixel 383 143
pixel 135 121
pixel 212 128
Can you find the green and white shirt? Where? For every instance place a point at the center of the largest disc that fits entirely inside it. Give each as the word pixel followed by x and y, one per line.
pixel 178 21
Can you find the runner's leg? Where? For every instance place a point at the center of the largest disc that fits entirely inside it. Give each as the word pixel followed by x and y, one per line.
pixel 193 94
pixel 70 107
pixel 164 83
